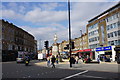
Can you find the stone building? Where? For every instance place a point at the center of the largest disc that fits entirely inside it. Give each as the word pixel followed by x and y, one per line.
pixel 16 39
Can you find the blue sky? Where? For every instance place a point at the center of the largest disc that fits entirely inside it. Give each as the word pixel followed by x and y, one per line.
pixel 44 19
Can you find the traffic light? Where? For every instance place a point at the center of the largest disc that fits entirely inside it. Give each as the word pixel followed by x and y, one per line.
pixel 67 47
pixel 72 44
pixel 46 44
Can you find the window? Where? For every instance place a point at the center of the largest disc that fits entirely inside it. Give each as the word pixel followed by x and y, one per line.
pixel 111 26
pixel 108 27
pixel 108 35
pixel 98 38
pixel 109 43
pixel 116 42
pixel 114 16
pixel 95 38
pixel 119 33
pixel 112 42
pixel 107 19
pixel 115 25
pixel 111 34
pixel 117 15
pixel 118 24
pixel 115 33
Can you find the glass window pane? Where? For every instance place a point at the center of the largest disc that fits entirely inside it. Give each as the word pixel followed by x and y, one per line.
pixel 119 33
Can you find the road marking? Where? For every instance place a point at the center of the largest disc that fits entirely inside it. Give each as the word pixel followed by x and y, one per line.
pixel 92 76
pixel 74 75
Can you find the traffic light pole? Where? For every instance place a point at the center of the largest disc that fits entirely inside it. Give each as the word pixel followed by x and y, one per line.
pixel 69 27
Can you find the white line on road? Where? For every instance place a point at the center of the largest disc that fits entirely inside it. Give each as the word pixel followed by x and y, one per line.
pixel 92 76
pixel 74 75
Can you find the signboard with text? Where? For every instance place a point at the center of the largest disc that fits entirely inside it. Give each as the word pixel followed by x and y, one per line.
pixel 104 48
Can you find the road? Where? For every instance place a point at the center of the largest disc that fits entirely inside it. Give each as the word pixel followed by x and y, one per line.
pixel 12 70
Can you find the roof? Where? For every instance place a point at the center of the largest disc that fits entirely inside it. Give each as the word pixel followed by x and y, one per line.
pixel 117 5
pixel 17 27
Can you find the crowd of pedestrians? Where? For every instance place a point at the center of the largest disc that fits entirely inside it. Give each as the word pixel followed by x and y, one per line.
pixel 51 60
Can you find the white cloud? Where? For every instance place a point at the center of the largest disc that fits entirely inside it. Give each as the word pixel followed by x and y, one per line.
pixel 49 6
pixel 37 15
pixel 47 33
pixel 10 14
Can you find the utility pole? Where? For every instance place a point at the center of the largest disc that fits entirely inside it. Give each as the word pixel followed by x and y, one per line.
pixel 69 27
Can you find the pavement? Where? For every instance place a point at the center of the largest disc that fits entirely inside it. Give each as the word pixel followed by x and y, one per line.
pixel 103 66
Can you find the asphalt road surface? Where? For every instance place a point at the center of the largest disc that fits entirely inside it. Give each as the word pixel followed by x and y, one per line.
pixel 12 70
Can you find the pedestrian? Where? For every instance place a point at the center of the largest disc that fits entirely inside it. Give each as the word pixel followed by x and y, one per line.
pixel 71 60
pixel 57 59
pixel 76 58
pixel 53 59
pixel 48 61
pixel 98 59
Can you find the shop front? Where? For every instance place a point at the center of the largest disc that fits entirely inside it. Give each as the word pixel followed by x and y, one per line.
pixel 86 53
pixel 106 54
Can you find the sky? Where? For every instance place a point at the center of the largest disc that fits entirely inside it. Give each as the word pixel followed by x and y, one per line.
pixel 45 19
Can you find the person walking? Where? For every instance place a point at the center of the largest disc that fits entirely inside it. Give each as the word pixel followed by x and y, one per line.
pixel 53 59
pixel 71 60
pixel 57 59
pixel 48 61
pixel 76 58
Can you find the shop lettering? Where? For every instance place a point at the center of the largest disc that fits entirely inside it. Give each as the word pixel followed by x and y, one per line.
pixel 104 48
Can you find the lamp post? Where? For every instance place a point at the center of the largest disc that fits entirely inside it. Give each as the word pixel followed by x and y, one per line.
pixel 69 27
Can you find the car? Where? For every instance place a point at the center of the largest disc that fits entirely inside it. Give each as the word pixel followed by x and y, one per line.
pixel 20 60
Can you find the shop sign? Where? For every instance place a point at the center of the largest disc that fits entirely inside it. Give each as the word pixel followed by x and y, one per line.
pixel 80 51
pixel 104 48
pixel 87 50
pixel 107 48
pixel 100 49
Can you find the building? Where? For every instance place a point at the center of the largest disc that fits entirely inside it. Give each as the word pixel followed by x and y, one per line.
pixel 81 43
pixel 84 42
pixel 104 32
pixel 15 39
pixel 77 43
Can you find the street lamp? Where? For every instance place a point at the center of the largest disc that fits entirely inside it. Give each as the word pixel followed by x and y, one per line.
pixel 69 27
